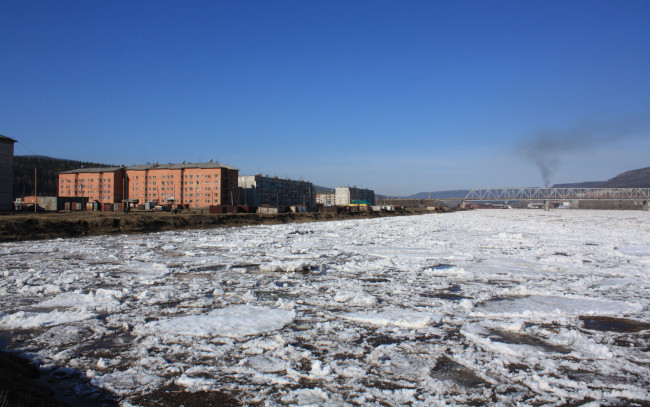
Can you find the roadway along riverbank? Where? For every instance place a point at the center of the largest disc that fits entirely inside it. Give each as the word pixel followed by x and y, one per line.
pixel 29 226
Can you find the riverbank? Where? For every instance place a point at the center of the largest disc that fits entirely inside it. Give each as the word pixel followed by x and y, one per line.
pixel 31 226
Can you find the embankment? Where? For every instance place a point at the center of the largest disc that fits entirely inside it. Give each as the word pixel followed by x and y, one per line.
pixel 17 227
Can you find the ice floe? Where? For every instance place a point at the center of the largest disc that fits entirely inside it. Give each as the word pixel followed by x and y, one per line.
pixel 495 307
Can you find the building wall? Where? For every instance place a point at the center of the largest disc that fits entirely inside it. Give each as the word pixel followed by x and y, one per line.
pixel 257 190
pixel 193 185
pixel 106 186
pixel 326 198
pixel 346 195
pixel 6 173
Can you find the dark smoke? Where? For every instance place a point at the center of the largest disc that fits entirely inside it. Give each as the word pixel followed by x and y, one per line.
pixel 546 148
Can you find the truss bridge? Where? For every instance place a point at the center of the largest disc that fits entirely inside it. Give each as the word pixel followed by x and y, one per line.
pixel 558 194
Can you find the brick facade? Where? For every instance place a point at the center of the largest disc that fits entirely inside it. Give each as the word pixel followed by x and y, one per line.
pixel 194 185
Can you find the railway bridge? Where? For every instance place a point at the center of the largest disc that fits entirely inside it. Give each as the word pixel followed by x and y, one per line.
pixel 548 195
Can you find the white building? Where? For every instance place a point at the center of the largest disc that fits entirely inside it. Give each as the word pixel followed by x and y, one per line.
pixel 6 173
pixel 348 195
pixel 326 198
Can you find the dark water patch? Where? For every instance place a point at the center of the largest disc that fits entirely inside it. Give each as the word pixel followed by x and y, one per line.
pixel 347 356
pixel 73 388
pixel 301 232
pixel 517 367
pixel 577 403
pixel 376 280
pixel 209 268
pixel 385 385
pixel 590 377
pixel 110 346
pixel 444 296
pixel 192 275
pixel 267 295
pixel 5 339
pixel 426 338
pixel 449 294
pixel 564 254
pixel 448 369
pixel 611 324
pixel 174 396
pixel 378 340
pixel 441 266
pixel 499 283
pixel 521 339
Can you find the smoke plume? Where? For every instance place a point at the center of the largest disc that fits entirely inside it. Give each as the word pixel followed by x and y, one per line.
pixel 546 148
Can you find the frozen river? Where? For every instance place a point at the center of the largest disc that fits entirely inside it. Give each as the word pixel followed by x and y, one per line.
pixel 500 307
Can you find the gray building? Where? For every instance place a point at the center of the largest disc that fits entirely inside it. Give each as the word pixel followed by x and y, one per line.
pixel 6 173
pixel 257 190
pixel 348 195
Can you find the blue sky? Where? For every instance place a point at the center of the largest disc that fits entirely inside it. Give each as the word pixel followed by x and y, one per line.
pixel 397 96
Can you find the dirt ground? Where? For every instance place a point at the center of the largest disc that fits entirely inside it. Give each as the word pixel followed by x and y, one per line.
pixel 35 226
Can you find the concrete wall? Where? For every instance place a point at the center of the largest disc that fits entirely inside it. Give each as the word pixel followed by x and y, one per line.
pixel 6 174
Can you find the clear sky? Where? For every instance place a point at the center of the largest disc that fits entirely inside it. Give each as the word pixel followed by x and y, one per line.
pixel 397 96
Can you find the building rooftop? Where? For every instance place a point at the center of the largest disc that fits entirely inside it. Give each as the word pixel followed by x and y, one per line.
pixel 102 169
pixel 4 139
pixel 153 167
pixel 171 166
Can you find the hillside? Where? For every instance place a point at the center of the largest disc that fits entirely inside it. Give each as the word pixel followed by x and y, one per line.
pixel 630 179
pixel 439 194
pixel 587 184
pixel 48 170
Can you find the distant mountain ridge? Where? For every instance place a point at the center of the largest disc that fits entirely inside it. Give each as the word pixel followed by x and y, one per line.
pixel 587 184
pixel 457 193
pixel 630 179
pixel 639 178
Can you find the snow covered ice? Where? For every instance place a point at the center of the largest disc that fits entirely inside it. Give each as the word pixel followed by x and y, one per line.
pixel 498 307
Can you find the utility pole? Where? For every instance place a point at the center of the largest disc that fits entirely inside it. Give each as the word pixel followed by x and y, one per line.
pixel 35 179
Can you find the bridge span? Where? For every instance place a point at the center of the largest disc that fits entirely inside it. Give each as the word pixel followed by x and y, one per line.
pixel 557 194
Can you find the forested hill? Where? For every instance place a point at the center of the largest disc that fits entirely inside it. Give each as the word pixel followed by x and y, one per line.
pixel 48 170
pixel 630 179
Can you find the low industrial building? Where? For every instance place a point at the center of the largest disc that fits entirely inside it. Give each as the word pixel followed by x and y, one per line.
pixel 6 173
pixel 258 190
pixel 350 195
pixel 192 185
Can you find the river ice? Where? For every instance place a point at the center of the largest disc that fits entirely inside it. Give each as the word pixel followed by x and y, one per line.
pixel 499 307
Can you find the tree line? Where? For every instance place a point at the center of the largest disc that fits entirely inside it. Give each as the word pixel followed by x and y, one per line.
pixel 47 171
